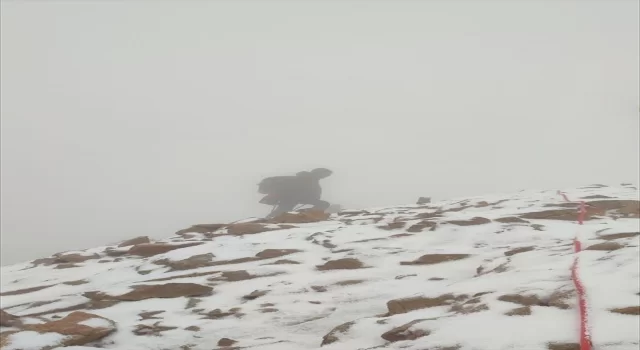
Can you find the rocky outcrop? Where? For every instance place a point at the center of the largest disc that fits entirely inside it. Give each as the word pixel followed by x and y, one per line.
pixel 151 249
pixel 135 241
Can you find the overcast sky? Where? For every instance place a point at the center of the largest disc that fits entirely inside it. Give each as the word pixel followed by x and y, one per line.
pixel 128 118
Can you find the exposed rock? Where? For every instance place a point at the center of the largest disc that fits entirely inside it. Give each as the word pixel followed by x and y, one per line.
pixel 150 315
pixel 226 342
pixel 606 246
pixel 25 290
pixel 276 253
pixel 201 228
pixel 9 320
pixel 285 262
pixel 419 227
pixel 520 311
pixel 255 294
pixel 66 266
pixel 194 262
pixel 519 250
pixel 405 332
pixel 349 282
pixel 557 299
pixel 302 217
pixel 80 327
pixel 622 235
pixel 625 208
pixel 248 228
pixel 511 220
pixel 135 241
pixel 393 225
pixel 74 258
pixel 168 290
pixel 333 335
pixel 401 306
pixel 319 289
pixel 555 214
pixel 473 221
pixel 192 328
pixel 76 282
pixel 341 264
pixel 429 259
pixel 154 330
pixel 629 310
pixel 563 346
pixel 151 249
pixel 233 276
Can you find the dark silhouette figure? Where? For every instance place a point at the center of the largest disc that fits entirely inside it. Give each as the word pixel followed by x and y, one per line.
pixel 287 192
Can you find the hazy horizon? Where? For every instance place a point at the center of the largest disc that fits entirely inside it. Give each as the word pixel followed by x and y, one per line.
pixel 122 119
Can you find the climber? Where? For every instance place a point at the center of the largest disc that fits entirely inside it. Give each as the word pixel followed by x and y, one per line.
pixel 287 192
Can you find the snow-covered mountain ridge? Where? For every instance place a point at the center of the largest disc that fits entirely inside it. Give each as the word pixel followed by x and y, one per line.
pixel 482 273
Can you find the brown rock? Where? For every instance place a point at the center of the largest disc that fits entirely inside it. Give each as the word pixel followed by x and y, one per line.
pixel 333 335
pixel 341 264
pixel 563 346
pixel 518 250
pixel 302 217
pixel 401 306
pixel 154 330
pixel 625 208
pixel 192 328
pixel 226 342
pixel 248 228
pixel 622 235
pixel 276 253
pixel 285 262
pixel 66 266
pixel 193 262
pixel 75 283
pixel 201 228
pixel 629 310
pixel 473 221
pixel 150 315
pixel 419 227
pixel 605 246
pixel 135 241
pixel 74 258
pixel 25 290
pixel 405 332
pixel 429 259
pixel 75 326
pixel 555 214
pixel 393 225
pixel 151 249
pixel 168 290
pixel 349 282
pixel 9 320
pixel 520 311
pixel 511 220
pixel 255 294
pixel 233 276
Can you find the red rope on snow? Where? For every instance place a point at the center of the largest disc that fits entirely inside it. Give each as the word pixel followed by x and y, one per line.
pixel 585 337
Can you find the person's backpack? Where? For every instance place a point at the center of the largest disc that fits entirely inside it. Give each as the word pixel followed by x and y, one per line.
pixel 272 185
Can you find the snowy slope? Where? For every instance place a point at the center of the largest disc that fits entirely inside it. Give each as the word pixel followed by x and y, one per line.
pixel 485 273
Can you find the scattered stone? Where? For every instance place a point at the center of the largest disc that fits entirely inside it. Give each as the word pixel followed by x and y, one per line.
pixel 629 310
pixel 341 264
pixel 606 246
pixel 520 311
pixel 9 320
pixel 563 346
pixel 349 282
pixel 405 276
pixel 255 294
pixel 192 328
pixel 333 335
pixel 623 235
pixel 405 332
pixel 151 249
pixel 419 227
pixel 430 259
pixel 393 225
pixel 276 253
pixel 74 258
pixel 473 221
pixel 66 266
pixel 135 241
pixel 163 291
pixel 150 315
pixel 79 327
pixel 76 282
pixel 25 290
pixel 319 289
pixel 193 262
pixel 511 220
pixel 401 306
pixel 201 228
pixel 284 262
pixel 519 250
pixel 153 330
pixel 226 342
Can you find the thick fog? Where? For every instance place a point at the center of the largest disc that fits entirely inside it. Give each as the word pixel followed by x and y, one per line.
pixel 130 118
